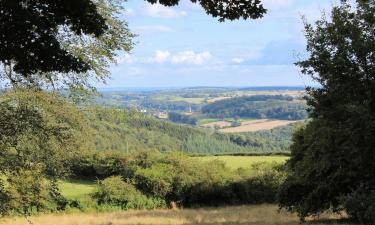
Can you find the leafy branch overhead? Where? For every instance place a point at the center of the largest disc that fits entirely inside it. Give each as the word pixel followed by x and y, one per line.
pixel 225 9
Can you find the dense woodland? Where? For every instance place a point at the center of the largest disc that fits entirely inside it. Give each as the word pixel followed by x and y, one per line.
pixel 131 131
pixel 260 107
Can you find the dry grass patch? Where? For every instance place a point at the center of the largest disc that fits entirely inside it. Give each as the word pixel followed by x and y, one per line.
pixel 258 125
pixel 240 215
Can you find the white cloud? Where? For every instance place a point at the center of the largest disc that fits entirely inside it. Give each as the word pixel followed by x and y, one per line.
pixel 152 29
pixel 159 11
pixel 160 57
pixel 238 60
pixel 190 57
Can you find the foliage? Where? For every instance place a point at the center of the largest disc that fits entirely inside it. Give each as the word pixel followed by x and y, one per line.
pixel 29 34
pixel 361 205
pixel 115 191
pixel 334 154
pixel 40 133
pixel 259 106
pixel 61 44
pixel 39 129
pixel 130 131
pixel 278 139
pixel 224 9
pixel 180 118
pixel 176 178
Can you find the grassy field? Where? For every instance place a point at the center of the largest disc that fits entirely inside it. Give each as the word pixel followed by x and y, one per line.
pixel 76 189
pixel 239 215
pixel 80 189
pixel 235 162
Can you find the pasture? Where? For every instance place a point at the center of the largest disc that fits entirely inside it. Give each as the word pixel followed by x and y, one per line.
pixel 236 215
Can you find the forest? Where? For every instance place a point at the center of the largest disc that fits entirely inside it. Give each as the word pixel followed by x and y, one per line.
pixel 131 131
pixel 259 107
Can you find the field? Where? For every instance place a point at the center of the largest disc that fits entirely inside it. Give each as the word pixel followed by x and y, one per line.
pixel 257 125
pixel 237 215
pixel 76 189
pixel 235 162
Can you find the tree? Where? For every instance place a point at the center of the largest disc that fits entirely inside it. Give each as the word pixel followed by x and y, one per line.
pixel 333 157
pixel 71 51
pixel 225 9
pixel 40 134
pixel 58 44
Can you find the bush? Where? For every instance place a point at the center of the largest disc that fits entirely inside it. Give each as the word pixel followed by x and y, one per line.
pixel 115 191
pixel 360 205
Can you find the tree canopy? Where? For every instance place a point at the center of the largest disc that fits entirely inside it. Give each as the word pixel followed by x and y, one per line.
pixel 225 9
pixel 333 156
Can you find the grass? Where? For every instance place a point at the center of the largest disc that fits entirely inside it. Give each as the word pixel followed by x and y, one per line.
pixel 235 162
pixel 238 215
pixel 76 189
pixel 80 189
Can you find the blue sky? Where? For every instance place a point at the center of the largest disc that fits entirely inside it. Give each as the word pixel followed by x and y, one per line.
pixel 182 46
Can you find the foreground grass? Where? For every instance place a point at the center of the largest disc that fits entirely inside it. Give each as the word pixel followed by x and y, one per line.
pixel 235 162
pixel 241 215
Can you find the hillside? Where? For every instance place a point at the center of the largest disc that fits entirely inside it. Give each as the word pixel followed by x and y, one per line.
pixel 131 131
pixel 258 107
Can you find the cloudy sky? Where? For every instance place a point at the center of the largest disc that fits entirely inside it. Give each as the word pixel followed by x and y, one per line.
pixel 182 46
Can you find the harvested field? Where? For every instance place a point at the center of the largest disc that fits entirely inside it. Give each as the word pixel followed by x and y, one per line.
pixel 257 125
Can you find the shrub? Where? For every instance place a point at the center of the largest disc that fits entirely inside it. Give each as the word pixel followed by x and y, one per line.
pixel 115 191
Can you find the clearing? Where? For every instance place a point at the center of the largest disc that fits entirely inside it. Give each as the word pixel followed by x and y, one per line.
pixel 237 215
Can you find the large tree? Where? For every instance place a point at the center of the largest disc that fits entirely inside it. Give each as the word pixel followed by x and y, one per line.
pixel 71 43
pixel 333 157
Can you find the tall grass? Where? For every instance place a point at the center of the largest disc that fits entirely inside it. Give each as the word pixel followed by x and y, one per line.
pixel 241 215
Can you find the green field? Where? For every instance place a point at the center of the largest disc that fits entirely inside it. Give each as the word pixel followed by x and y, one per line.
pixel 76 189
pixel 235 162
pixel 80 189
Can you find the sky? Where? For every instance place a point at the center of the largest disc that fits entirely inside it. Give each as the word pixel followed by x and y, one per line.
pixel 182 46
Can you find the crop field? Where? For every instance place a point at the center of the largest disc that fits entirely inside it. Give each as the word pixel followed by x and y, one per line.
pixel 257 125
pixel 235 162
pixel 236 215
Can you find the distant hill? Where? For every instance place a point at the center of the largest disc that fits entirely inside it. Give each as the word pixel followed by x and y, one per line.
pixel 258 107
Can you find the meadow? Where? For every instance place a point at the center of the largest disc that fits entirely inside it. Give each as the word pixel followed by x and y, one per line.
pixel 236 215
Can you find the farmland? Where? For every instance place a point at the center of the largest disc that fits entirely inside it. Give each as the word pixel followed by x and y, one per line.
pixel 236 215
pixel 257 125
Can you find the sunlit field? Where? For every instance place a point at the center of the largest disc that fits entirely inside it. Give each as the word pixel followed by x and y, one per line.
pixel 240 215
